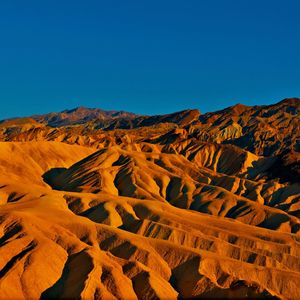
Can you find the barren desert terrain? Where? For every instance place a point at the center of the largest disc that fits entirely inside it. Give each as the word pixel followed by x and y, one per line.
pixel 113 205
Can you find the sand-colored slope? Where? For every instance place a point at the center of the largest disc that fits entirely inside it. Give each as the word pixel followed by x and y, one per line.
pixel 26 162
pixel 172 178
pixel 158 251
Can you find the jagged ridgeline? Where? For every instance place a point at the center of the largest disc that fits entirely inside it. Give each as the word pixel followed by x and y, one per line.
pixel 113 205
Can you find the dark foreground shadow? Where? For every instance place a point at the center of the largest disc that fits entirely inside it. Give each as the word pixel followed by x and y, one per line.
pixel 51 177
pixel 237 291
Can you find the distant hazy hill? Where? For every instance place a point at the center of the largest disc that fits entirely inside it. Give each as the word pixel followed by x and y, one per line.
pixel 80 115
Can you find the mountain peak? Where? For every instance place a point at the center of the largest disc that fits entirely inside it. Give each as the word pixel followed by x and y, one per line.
pixel 239 108
pixel 79 109
pixel 290 101
pixel 80 115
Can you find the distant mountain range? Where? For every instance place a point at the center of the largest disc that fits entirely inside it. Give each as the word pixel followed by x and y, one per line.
pixel 267 130
pixel 81 115
pixel 109 120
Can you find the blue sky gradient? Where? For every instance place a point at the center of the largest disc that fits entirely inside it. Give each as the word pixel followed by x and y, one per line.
pixel 148 57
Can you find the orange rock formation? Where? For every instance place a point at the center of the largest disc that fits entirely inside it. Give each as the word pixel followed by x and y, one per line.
pixel 111 205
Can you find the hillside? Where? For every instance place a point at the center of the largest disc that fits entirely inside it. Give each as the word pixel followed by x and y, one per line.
pixel 112 205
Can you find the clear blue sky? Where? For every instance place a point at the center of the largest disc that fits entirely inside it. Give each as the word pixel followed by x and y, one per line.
pixel 147 57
